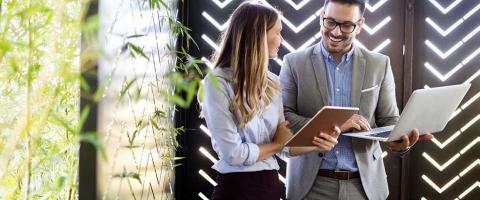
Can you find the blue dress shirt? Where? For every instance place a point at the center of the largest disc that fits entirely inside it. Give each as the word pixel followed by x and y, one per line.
pixel 339 78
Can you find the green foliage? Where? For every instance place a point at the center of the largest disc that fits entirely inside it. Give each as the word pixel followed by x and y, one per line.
pixel 179 87
pixel 40 81
pixel 39 98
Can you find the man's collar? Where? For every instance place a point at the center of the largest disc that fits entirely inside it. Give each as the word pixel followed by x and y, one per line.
pixel 348 56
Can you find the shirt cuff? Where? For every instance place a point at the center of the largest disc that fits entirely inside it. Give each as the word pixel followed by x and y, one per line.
pixel 253 153
pixel 286 152
pixel 403 153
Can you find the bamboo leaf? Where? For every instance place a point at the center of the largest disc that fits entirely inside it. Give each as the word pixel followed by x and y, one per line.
pixel 125 174
pixel 154 124
pixel 160 114
pixel 91 138
pixel 137 50
pixel 125 89
pixel 83 117
pixel 136 36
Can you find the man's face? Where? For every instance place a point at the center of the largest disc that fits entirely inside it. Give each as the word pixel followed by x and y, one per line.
pixel 340 23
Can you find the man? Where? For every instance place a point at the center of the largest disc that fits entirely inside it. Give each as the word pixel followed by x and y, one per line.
pixel 339 73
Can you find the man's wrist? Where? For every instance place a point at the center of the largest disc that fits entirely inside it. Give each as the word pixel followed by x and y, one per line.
pixel 402 153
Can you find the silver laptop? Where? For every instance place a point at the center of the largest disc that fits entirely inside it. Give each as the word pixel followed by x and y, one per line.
pixel 428 110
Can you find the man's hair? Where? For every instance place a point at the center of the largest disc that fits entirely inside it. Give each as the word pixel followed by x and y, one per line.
pixel 360 3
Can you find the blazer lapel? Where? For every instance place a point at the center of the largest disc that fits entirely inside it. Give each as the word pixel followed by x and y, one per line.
pixel 358 75
pixel 320 74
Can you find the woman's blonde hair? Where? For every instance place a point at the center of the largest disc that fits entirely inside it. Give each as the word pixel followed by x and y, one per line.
pixel 244 48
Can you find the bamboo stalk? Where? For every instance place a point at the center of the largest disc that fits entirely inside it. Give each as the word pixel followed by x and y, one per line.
pixel 28 161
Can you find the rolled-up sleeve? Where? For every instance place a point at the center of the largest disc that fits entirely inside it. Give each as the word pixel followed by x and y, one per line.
pixel 226 140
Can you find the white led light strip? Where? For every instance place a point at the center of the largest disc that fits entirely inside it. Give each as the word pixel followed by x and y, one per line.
pixel 451 160
pixel 205 130
pixel 439 52
pixel 376 6
pixel 208 155
pixel 299 28
pixel 373 30
pixel 438 189
pixel 207 177
pixel 378 48
pixel 454 70
pixel 207 62
pixel 202 196
pixel 455 47
pixel 214 22
pixel 475 185
pixel 448 8
pixel 454 136
pixel 299 5
pixel 210 42
pixel 469 102
pixel 451 182
pixel 474 76
pixel 453 26
pixel 222 4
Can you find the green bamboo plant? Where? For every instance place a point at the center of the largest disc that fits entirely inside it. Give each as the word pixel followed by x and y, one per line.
pixel 40 77
pixel 39 81
pixel 179 87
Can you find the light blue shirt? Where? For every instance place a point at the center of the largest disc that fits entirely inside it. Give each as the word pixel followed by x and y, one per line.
pixel 339 78
pixel 237 147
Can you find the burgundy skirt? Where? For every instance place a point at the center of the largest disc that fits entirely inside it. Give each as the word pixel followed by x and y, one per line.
pixel 261 185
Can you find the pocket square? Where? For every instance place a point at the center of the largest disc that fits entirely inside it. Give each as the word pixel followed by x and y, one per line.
pixel 369 89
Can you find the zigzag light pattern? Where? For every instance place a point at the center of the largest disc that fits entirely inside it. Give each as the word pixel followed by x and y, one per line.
pixel 447 9
pixel 454 25
pixel 456 134
pixel 454 70
pixel 453 180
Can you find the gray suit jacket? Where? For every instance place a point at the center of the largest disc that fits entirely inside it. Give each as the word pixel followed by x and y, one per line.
pixel 305 91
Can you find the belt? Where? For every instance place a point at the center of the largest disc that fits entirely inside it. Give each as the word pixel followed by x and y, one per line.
pixel 340 175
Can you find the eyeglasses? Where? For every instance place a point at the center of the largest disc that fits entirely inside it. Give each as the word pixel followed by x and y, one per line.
pixel 345 27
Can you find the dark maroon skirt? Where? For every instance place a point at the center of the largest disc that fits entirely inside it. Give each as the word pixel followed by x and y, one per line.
pixel 261 185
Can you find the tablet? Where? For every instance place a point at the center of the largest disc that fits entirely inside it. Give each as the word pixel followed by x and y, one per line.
pixel 325 120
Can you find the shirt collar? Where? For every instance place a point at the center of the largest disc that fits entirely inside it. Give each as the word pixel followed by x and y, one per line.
pixel 347 57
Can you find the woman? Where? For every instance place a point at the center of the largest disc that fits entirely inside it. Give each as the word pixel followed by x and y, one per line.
pixel 243 107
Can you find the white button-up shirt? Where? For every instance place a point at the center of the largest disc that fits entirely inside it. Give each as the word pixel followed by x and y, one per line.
pixel 237 147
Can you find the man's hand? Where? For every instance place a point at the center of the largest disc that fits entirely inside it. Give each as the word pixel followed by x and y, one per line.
pixel 406 142
pixel 326 141
pixel 357 123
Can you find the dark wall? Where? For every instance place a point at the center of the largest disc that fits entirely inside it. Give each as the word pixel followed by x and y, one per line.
pixel 409 71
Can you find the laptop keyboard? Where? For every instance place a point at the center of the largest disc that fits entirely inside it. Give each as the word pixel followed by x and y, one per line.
pixel 383 134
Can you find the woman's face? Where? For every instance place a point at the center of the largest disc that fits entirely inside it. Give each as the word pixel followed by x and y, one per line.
pixel 274 39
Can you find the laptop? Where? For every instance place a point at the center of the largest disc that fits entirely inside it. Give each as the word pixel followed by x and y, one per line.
pixel 428 110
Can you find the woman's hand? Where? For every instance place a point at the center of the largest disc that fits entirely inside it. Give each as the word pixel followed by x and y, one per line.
pixel 282 134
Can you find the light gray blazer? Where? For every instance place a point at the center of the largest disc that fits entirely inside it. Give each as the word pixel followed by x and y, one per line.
pixel 305 91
